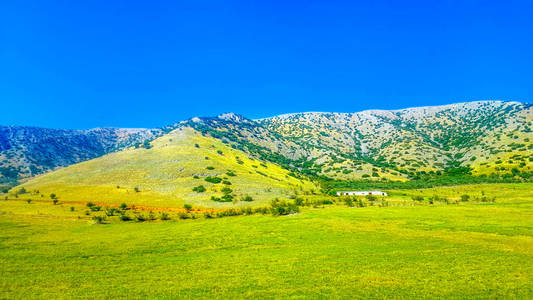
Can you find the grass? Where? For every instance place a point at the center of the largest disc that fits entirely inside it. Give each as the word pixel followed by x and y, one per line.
pixel 472 250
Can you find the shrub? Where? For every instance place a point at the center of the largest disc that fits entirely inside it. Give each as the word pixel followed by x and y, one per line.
pixel 136 189
pixel 417 198
pixel 196 177
pixel 349 202
pixel 465 198
pixel 230 173
pixel 151 216
pixel 226 198
pixel 371 198
pixel 125 217
pixel 28 200
pixel 147 145
pixel 210 168
pixel 187 207
pixel 140 218
pixel 99 219
pixel 72 208
pixel 110 212
pixel 281 208
pixel 220 152
pixel 123 206
pixel 164 217
pixel 55 201
pixel 95 208
pixel 196 145
pixel 226 190
pixel 199 189
pixel 213 179
pixel 208 215
pixel 53 196
pixel 226 182
pixel 89 204
pixel 184 216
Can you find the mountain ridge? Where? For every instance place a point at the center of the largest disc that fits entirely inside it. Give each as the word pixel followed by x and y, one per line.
pixel 373 144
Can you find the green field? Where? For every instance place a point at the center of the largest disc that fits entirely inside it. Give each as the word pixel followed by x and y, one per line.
pixel 469 250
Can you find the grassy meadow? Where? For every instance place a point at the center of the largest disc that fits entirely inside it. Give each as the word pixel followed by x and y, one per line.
pixel 408 249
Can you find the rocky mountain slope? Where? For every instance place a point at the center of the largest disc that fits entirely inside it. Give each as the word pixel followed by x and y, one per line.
pixel 28 151
pixel 479 138
pixel 489 137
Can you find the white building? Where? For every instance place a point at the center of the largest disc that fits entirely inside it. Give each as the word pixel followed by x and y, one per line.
pixel 361 193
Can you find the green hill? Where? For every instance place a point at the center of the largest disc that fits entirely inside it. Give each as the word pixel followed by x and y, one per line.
pixel 167 174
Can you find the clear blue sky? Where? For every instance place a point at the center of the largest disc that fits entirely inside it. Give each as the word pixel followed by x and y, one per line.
pixel 84 64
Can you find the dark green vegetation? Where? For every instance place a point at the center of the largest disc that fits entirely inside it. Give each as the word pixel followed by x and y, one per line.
pixel 469 249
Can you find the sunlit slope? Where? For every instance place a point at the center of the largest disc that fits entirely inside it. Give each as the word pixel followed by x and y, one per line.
pixel 166 174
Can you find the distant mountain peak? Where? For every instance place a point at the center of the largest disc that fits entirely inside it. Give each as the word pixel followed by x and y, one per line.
pixel 229 116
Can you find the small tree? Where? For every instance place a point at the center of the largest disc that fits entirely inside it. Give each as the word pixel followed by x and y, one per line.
pixel 199 189
pixel 53 196
pixel 55 201
pixel 123 206
pixel 136 189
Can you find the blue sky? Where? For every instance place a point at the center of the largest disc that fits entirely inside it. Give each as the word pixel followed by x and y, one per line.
pixel 84 64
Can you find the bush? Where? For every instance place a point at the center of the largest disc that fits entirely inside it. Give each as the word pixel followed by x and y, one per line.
pixel 89 204
pixel 213 179
pixel 53 196
pixel 99 219
pixel 226 182
pixel 140 218
pixel 199 189
pixel 210 168
pixel 371 198
pixel 417 198
pixel 184 216
pixel 230 173
pixel 226 190
pixel 187 207
pixel 282 208
pixel 125 218
pixel 247 198
pixel 123 206
pixel 208 215
pixel 226 198
pixel 28 200
pixel 72 208
pixel 164 217
pixel 465 198
pixel 95 208
pixel 55 201
pixel 349 202
pixel 136 189
pixel 110 212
